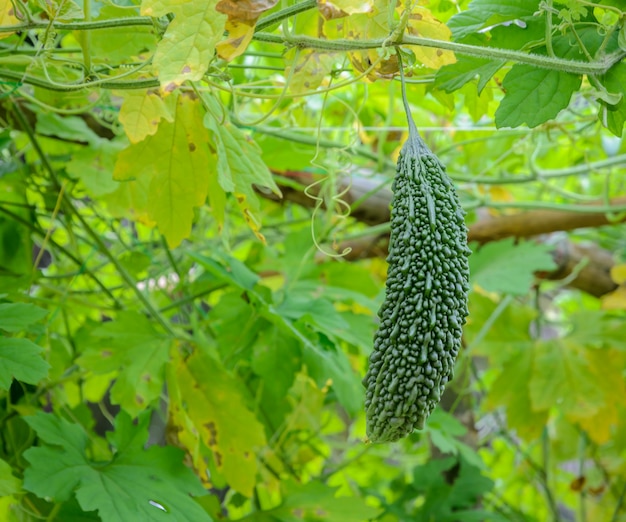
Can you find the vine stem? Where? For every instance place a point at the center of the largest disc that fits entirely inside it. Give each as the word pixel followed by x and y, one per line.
pixel 79 263
pixel 25 125
pixel 81 26
pixel 599 66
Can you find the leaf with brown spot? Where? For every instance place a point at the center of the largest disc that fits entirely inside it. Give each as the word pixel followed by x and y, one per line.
pixel 188 45
pixel 142 111
pixel 242 18
pixel 309 71
pixel 7 16
pixel 245 9
pixel 216 415
pixel 240 34
pixel 422 23
pixel 578 484
pixel 177 178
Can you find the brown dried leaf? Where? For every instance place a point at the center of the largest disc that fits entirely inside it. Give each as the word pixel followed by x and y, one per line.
pixel 248 10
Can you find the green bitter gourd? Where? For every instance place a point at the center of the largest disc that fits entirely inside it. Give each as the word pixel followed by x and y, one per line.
pixel 425 303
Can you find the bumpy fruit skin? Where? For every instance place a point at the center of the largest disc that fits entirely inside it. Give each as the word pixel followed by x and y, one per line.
pixel 425 303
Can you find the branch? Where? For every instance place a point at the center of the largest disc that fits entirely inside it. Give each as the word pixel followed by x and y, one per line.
pixel 536 222
pixel 593 278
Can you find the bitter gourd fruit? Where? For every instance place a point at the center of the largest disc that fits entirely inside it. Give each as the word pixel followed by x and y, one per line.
pixel 425 302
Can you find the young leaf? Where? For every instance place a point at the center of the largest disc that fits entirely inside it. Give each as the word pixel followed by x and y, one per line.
pixel 137 484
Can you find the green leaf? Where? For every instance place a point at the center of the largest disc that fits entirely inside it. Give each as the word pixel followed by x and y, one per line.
pixel 485 13
pixel 70 128
pixel 117 44
pixel 534 96
pixel 511 389
pixel 93 166
pixel 613 117
pixel 131 486
pixel 316 501
pixel 131 346
pixel 505 335
pixel 216 406
pixel 16 317
pixel 597 329
pixel 276 359
pixel 449 500
pixel 505 267
pixel 176 162
pixel 467 68
pixel 563 377
pixel 61 10
pixel 21 359
pixel 9 484
pixel 239 164
pixel 188 45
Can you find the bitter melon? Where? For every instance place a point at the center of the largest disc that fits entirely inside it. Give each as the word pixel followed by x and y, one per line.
pixel 425 302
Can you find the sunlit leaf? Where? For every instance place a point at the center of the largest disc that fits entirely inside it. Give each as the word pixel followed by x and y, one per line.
pixel 142 111
pixel 177 169
pixel 422 23
pixel 242 18
pixel 188 45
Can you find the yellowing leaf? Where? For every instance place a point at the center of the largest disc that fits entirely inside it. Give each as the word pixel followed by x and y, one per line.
pixel 7 16
pixel 141 112
pixel 216 406
pixel 422 23
pixel 178 163
pixel 615 300
pixel 331 9
pixel 586 384
pixel 188 45
pixel 618 274
pixel 607 367
pixel 370 26
pixel 239 36
pixel 242 18
pixel 310 71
